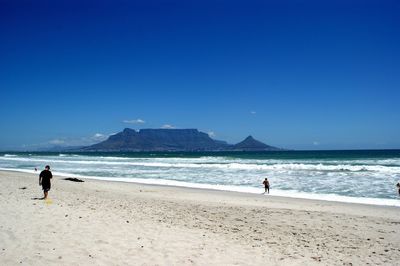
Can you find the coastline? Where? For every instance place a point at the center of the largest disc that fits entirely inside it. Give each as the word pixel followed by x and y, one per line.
pixel 226 188
pixel 106 222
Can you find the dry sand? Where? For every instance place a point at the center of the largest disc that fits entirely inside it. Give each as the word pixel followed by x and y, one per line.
pixel 111 223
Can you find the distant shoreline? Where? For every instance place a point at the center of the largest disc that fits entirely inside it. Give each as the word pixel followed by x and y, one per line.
pixel 199 152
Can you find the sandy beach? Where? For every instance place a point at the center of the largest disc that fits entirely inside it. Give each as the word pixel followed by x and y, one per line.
pixel 112 223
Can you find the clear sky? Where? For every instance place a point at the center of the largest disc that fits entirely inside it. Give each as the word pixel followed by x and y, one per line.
pixel 293 74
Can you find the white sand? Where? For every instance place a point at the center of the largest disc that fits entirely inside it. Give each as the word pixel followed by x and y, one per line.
pixel 111 223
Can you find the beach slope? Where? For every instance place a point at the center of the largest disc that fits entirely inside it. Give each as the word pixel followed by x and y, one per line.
pixel 111 223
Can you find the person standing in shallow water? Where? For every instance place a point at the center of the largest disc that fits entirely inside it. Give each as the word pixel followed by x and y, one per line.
pixel 44 180
pixel 266 185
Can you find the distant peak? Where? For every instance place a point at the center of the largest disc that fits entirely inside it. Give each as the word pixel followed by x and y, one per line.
pixel 250 144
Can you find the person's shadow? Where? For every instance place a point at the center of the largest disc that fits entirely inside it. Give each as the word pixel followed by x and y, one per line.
pixel 36 198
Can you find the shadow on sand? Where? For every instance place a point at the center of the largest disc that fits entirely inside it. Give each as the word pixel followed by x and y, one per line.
pixel 37 198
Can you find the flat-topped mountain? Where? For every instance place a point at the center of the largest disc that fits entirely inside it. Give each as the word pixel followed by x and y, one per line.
pixel 172 140
pixel 158 140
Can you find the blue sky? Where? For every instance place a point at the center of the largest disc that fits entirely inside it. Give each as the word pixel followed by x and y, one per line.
pixel 294 74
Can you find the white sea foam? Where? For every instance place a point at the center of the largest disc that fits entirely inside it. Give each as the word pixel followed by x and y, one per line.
pixel 233 165
pixel 10 155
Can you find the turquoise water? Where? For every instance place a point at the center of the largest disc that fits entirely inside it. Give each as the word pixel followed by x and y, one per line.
pixel 353 176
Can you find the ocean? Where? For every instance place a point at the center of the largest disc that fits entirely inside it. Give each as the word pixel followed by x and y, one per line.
pixel 361 176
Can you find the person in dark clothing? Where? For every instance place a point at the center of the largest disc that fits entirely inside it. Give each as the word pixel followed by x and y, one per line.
pixel 266 185
pixel 398 187
pixel 44 180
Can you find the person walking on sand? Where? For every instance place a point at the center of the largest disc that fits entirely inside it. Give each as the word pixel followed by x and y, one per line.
pixel 44 180
pixel 266 185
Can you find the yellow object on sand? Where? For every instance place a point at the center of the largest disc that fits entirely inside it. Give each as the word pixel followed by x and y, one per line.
pixel 48 201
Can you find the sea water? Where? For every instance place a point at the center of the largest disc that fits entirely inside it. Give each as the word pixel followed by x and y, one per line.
pixel 351 176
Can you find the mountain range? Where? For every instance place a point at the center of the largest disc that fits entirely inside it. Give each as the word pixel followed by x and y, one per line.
pixel 172 140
